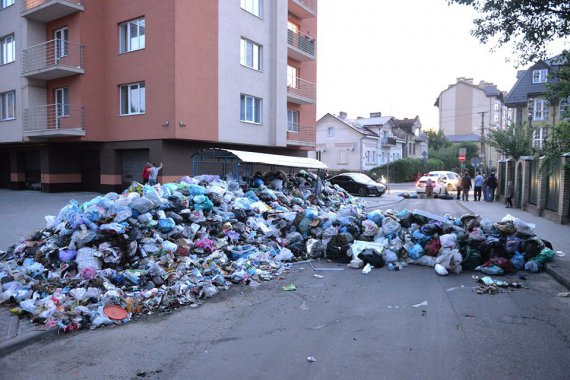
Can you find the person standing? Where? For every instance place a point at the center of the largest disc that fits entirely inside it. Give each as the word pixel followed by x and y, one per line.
pixel 465 186
pixel 510 194
pixel 153 173
pixel 145 173
pixel 492 185
pixel 429 188
pixel 477 186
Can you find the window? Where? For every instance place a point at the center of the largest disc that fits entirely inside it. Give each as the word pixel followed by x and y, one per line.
pixel 539 136
pixel 252 6
pixel 293 121
pixel 563 109
pixel 8 53
pixel 319 155
pixel 250 54
pixel 132 35
pixel 250 109
pixel 133 99
pixel 496 118
pixel 497 107
pixel 61 43
pixel 292 77
pixel 540 109
pixel 342 157
pixel 330 132
pixel 8 106
pixel 6 3
pixel 539 76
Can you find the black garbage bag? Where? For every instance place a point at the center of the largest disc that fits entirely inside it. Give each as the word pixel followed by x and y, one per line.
pixel 372 257
pixel 240 215
pixel 406 220
pixel 532 247
pixel 337 248
pixel 419 219
pixel 431 228
pixel 471 258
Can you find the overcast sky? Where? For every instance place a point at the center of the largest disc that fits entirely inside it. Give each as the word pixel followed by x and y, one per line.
pixel 395 57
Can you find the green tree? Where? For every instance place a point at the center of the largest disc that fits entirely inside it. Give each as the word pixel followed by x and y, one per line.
pixel 437 140
pixel 529 24
pixel 448 155
pixel 514 141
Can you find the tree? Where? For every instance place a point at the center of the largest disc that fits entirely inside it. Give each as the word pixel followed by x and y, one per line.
pixel 450 153
pixel 529 24
pixel 514 141
pixel 437 140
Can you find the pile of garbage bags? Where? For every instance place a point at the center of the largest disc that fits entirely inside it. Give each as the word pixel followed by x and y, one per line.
pixel 157 247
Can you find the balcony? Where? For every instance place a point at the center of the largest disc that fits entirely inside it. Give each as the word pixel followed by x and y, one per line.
pixel 54 120
pixel 300 91
pixel 300 47
pixel 388 141
pixel 301 135
pixel 303 8
pixel 49 10
pixel 52 59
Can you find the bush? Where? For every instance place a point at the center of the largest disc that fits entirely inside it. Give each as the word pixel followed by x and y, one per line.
pixel 405 170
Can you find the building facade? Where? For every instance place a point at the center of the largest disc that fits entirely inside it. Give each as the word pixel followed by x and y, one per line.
pixel 468 111
pixel 100 86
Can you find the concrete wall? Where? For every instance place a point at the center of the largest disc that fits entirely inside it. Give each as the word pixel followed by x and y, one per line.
pixel 339 146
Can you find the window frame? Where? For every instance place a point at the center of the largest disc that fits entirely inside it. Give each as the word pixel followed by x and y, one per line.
pixel 292 76
pixel 3 48
pixel 141 104
pixel 128 40
pixel 539 135
pixel 244 54
pixel 330 132
pixel 539 76
pixel 3 103
pixel 563 108
pixel 256 109
pixel 247 4
pixel 6 3
pixel 541 107
pixel 295 121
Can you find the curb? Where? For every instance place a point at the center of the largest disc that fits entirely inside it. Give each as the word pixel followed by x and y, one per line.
pixel 554 271
pixel 19 342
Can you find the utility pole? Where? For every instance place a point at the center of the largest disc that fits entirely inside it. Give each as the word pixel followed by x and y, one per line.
pixel 482 155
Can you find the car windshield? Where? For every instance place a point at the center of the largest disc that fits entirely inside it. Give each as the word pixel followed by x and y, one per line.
pixel 361 178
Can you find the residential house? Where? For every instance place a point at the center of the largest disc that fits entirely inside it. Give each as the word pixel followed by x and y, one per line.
pixel 527 101
pixel 92 89
pixel 468 111
pixel 357 144
pixel 416 141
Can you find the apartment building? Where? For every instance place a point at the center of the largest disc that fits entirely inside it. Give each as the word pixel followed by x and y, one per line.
pixel 92 89
pixel 464 107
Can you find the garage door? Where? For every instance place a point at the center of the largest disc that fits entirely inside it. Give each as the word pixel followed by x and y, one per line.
pixel 133 161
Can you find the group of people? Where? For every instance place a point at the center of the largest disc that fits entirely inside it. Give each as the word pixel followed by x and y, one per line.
pixel 150 173
pixel 481 184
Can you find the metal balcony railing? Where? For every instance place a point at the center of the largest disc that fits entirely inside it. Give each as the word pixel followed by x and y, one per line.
pixel 301 89
pixel 53 117
pixel 310 5
pixel 302 42
pixel 52 53
pixel 26 5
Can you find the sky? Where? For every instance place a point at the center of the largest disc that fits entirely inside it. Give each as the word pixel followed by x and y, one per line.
pixel 396 57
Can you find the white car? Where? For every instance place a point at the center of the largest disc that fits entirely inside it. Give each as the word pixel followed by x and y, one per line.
pixel 441 180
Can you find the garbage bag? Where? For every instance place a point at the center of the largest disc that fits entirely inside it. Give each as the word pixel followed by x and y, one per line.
pixel 390 226
pixel 142 205
pixel 432 247
pixel 477 234
pixel 518 261
pixel 448 241
pixel 532 266
pixel 471 258
pixel 166 225
pixel 492 270
pixel 337 249
pixel 430 228
pixel 416 251
pixel 376 216
pixel 532 247
pixel 544 256
pixel 372 257
pixel 86 258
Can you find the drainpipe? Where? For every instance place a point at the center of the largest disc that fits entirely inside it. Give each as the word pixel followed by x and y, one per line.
pixel 361 150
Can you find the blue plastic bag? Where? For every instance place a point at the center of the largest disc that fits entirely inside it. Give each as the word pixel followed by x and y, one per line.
pixel 416 251
pixel 518 261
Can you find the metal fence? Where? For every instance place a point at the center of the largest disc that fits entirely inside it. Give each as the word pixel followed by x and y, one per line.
pixel 53 116
pixel 301 88
pixel 302 42
pixel 51 53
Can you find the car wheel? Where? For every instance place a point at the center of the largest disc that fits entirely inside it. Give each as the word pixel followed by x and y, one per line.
pixel 362 192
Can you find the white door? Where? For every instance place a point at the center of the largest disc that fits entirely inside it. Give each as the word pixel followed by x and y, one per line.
pixel 61 43
pixel 61 105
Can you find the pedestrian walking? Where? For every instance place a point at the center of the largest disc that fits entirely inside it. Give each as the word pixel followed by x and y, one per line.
pixel 465 186
pixel 477 186
pixel 458 187
pixel 510 194
pixel 145 173
pixel 491 186
pixel 153 173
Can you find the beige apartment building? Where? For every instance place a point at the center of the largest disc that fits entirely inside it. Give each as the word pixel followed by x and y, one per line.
pixel 92 89
pixel 468 111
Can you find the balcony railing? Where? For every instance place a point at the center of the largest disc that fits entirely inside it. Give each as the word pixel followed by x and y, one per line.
pixel 301 135
pixel 388 141
pixel 303 8
pixel 53 59
pixel 54 120
pixel 49 10
pixel 300 91
pixel 301 47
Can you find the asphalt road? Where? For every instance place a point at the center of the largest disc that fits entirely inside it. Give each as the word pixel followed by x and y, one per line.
pixel 411 324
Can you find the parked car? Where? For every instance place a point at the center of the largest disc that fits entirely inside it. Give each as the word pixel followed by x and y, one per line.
pixel 441 180
pixel 358 183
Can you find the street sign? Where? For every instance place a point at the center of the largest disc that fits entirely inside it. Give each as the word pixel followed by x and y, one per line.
pixel 475 161
pixel 462 151
pixel 461 158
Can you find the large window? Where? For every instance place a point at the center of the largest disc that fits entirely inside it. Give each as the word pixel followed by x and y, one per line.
pixel 250 109
pixel 564 109
pixel 250 54
pixel 6 3
pixel 133 99
pixel 539 76
pixel 252 6
pixel 8 53
pixel 539 135
pixel 292 77
pixel 132 34
pixel 8 105
pixel 293 121
pixel 540 109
